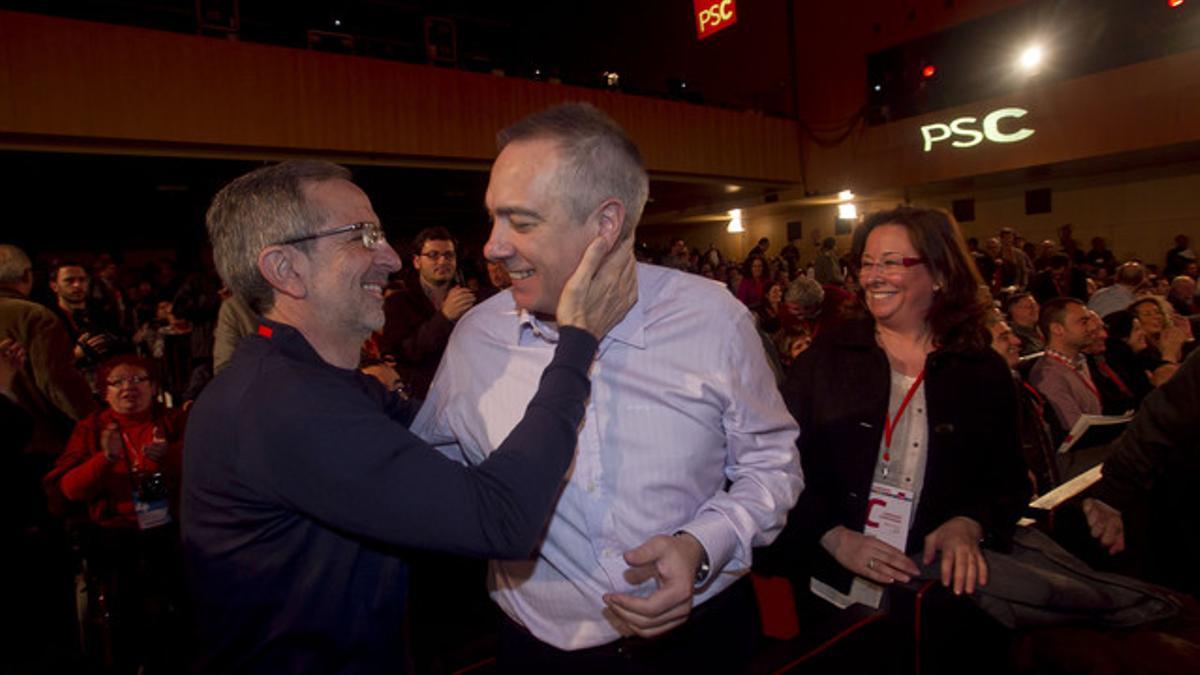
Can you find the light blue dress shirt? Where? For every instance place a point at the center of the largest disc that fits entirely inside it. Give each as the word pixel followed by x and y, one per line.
pixel 683 402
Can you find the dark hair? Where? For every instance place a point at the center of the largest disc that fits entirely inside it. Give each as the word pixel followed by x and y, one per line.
pixel 1013 299
pixel 431 234
pixel 1120 324
pixel 59 264
pixel 1054 310
pixel 959 308
pixel 749 273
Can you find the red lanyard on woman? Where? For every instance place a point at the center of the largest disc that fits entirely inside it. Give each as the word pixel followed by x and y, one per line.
pixel 889 425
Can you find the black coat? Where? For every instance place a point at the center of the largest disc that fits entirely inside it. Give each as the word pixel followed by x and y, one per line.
pixel 838 391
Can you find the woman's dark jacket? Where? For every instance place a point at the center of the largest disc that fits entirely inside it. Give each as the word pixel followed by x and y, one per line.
pixel 838 391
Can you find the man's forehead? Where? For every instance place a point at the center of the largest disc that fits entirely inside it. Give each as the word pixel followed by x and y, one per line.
pixel 437 244
pixel 71 271
pixel 523 168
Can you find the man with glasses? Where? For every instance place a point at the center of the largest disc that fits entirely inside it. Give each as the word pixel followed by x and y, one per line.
pixel 420 317
pixel 302 483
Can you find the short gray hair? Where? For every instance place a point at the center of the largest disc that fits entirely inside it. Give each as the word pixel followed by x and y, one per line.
pixel 263 207
pixel 14 265
pixel 598 159
pixel 804 292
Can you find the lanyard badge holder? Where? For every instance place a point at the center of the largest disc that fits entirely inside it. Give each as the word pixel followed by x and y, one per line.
pixel 149 489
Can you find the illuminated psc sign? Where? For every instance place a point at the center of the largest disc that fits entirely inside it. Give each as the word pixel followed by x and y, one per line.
pixel 713 15
pixel 968 137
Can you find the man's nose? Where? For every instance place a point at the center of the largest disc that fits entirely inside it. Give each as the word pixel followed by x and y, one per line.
pixel 498 246
pixel 385 256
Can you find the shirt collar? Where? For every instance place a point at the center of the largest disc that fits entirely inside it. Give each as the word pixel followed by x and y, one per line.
pixel 631 330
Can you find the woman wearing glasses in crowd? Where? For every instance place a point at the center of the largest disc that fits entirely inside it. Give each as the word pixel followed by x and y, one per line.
pixel 123 462
pixel 910 441
pixel 1168 338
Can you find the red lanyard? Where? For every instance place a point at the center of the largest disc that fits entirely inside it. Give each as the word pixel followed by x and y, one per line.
pixel 1086 382
pixel 1112 375
pixel 889 425
pixel 1039 404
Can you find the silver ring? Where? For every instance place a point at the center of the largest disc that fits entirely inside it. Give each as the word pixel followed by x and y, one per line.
pixel 871 563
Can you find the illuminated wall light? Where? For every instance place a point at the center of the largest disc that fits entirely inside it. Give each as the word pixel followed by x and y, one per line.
pixel 1174 3
pixel 847 212
pixel 928 71
pixel 845 195
pixel 1031 58
pixel 735 222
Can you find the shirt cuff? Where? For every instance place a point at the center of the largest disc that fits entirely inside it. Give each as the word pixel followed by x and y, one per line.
pixel 713 532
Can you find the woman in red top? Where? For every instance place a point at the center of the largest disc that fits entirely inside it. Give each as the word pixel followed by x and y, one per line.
pixel 753 286
pixel 123 461
pixel 123 448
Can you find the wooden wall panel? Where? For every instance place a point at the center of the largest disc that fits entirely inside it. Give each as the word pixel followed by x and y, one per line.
pixel 99 84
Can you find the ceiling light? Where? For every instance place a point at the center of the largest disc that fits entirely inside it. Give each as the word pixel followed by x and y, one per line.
pixel 845 196
pixel 1031 58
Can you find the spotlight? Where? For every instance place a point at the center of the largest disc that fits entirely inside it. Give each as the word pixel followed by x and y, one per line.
pixel 878 87
pixel 612 79
pixel 845 195
pixel 1030 59
pixel 1174 3
pixel 929 71
pixel 337 22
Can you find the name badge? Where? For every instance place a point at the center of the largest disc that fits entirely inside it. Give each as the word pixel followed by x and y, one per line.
pixel 889 515
pixel 150 513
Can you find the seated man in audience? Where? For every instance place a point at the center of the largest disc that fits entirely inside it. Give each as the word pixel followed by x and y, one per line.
pixel 1060 280
pixel 1062 374
pixel 1151 471
pixel 1121 294
pixel 1183 296
pixel 687 455
pixel 1037 441
pixel 420 318
pixel 1023 312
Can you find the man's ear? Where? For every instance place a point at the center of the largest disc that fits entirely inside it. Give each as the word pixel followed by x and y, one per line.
pixel 611 217
pixel 284 268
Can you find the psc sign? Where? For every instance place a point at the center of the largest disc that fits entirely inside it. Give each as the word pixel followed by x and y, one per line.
pixel 713 15
pixel 968 137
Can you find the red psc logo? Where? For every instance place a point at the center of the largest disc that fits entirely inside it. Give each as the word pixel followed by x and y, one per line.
pixel 712 16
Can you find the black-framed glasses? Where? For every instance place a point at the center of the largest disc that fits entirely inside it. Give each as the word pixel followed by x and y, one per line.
pixel 372 235
pixel 434 256
pixel 131 379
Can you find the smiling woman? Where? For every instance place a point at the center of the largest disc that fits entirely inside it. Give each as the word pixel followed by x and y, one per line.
pixel 909 445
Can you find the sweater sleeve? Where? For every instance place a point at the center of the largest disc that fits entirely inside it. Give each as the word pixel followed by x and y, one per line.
pixel 347 465
pixel 1164 430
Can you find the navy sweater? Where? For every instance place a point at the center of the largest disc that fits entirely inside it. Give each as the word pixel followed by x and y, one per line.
pixel 301 482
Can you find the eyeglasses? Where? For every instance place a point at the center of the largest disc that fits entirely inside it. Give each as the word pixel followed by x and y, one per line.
pixel 372 235
pixel 131 379
pixel 891 266
pixel 433 256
